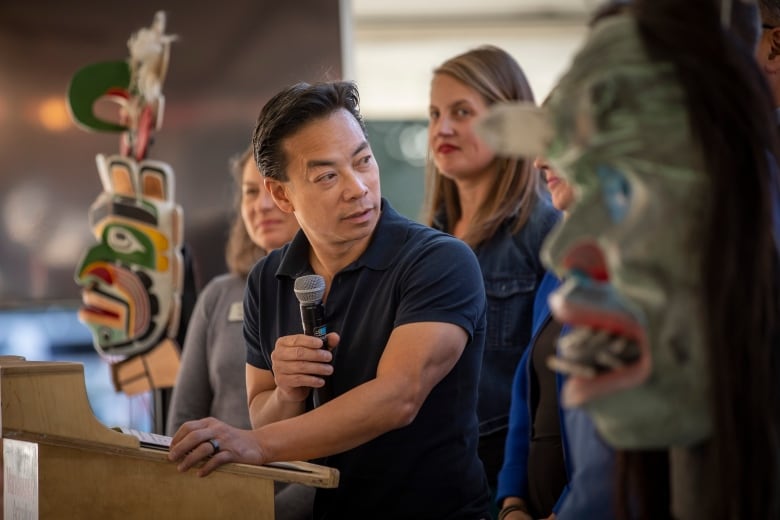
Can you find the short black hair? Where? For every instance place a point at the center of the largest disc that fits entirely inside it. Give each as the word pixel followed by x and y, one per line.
pixel 290 110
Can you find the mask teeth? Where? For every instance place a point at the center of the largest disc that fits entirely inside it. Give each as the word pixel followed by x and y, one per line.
pixel 595 350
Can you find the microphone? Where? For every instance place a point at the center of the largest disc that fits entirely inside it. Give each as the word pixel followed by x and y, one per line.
pixel 309 290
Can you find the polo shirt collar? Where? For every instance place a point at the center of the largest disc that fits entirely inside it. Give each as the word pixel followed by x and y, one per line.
pixel 391 230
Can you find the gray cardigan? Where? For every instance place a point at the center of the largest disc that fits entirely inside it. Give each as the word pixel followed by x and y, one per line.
pixel 212 376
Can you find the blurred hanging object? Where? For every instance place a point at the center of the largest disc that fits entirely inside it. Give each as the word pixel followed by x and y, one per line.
pixel 132 278
pixel 134 84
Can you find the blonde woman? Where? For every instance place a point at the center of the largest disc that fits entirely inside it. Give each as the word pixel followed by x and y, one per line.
pixel 498 207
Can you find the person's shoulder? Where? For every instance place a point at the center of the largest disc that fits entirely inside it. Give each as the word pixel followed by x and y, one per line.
pixel 402 230
pixel 421 230
pixel 540 222
pixel 224 279
pixel 434 249
pixel 410 237
pixel 271 262
pixel 220 285
pixel 545 211
pixel 423 236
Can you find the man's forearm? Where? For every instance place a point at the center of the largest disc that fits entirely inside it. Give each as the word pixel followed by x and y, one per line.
pixel 266 407
pixel 338 425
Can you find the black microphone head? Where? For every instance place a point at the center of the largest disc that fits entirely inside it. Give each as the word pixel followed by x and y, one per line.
pixel 309 288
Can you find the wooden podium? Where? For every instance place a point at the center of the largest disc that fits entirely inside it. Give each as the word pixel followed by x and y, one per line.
pixel 85 470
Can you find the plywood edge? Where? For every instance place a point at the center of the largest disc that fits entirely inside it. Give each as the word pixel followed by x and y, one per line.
pixel 50 398
pixel 297 471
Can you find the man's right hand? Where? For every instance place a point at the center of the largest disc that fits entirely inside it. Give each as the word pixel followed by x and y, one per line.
pixel 299 363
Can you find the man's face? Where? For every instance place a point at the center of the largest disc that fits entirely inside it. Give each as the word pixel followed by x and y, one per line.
pixel 333 182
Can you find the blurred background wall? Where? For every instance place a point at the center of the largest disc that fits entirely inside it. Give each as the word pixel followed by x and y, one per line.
pixel 230 57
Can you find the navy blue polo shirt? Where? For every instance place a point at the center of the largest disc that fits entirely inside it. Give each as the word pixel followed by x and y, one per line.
pixel 409 273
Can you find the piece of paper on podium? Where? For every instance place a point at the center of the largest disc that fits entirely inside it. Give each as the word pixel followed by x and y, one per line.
pixel 20 479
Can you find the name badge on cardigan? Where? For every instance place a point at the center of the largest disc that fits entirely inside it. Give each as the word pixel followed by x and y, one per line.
pixel 236 312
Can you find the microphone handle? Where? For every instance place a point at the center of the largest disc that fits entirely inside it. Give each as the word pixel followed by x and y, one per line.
pixel 313 319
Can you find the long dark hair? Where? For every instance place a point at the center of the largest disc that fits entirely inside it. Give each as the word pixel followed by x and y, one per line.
pixel 730 112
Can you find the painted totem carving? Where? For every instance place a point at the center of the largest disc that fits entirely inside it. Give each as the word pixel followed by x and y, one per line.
pixel 132 278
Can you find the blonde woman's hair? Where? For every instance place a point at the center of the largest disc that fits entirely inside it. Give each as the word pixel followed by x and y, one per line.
pixel 497 77
pixel 240 253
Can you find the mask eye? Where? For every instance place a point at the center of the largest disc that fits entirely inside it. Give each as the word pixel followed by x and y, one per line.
pixel 122 241
pixel 616 192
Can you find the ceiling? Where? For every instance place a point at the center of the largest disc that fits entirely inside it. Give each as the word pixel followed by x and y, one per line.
pixel 391 47
pixel 230 56
pixel 445 11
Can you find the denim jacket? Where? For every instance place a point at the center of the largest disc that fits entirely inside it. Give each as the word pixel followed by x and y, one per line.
pixel 511 270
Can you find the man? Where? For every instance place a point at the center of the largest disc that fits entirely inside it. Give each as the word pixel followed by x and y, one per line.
pixel 408 306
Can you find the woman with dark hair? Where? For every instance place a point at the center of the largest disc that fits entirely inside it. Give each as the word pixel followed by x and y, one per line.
pixel 663 125
pixel 211 379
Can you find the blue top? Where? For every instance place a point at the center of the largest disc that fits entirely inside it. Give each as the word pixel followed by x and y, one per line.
pixel 589 461
pixel 774 195
pixel 409 273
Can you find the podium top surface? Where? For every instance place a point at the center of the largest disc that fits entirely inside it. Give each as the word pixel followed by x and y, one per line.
pixel 46 402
